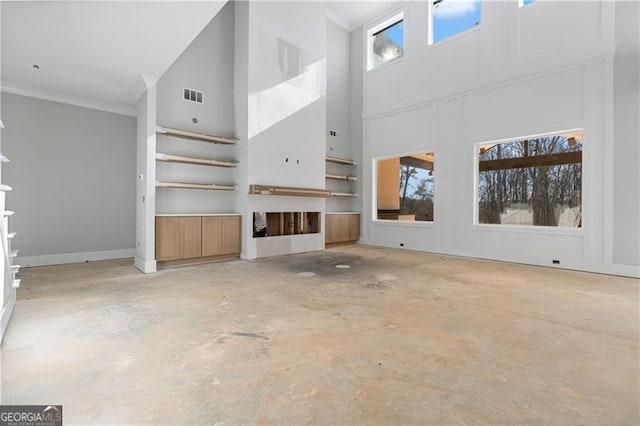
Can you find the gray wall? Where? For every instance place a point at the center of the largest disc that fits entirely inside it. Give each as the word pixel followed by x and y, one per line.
pixel 355 86
pixel 72 172
pixel 206 65
pixel 338 112
pixel 338 89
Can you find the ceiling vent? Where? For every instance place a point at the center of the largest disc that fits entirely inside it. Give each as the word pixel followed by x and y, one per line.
pixel 191 95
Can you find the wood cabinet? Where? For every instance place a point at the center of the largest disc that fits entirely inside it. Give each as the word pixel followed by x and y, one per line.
pixel 342 227
pixel 230 234
pixel 167 238
pixel 189 238
pixel 220 235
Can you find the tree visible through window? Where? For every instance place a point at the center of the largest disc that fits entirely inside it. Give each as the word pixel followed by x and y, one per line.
pixel 386 43
pixel 450 17
pixel 405 188
pixel 536 181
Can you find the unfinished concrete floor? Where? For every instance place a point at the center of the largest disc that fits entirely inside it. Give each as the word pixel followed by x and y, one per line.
pixel 398 338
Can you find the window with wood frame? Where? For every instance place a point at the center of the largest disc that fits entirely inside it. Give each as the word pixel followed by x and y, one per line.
pixel 534 181
pixel 405 187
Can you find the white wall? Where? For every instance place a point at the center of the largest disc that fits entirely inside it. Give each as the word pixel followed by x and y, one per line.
pixel 626 97
pixel 72 170
pixel 145 258
pixel 284 44
pixel 521 72
pixel 206 65
pixel 7 292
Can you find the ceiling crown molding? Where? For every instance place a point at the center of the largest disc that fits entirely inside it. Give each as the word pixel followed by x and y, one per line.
pixel 112 107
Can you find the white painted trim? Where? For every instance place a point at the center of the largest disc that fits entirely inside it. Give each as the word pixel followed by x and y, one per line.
pixel 7 310
pixel 148 267
pixel 630 271
pixel 59 259
pixel 112 107
pixel 339 21
pixel 524 72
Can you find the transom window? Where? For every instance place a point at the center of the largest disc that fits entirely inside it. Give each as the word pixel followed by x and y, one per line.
pixel 386 42
pixel 451 17
pixel 535 181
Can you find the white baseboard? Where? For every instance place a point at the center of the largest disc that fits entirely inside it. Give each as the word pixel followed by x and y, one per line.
pixel 146 266
pixel 7 310
pixel 59 259
pixel 630 271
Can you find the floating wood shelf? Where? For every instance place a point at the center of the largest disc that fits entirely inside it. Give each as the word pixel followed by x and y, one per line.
pixel 341 161
pixel 195 136
pixel 3 158
pixel 342 177
pixel 183 185
pixel 343 194
pixel 290 191
pixel 191 160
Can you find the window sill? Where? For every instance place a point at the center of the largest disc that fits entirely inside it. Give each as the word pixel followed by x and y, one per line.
pixel 453 37
pixel 408 223
pixel 385 65
pixel 528 229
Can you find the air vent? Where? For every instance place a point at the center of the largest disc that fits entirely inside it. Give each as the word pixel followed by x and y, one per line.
pixel 191 95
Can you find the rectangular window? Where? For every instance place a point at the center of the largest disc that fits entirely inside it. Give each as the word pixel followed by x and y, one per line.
pixel 405 188
pixel 451 17
pixel 535 181
pixel 386 42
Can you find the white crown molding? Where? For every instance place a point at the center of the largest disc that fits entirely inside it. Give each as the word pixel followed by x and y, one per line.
pixel 113 107
pixel 341 22
pixel 141 85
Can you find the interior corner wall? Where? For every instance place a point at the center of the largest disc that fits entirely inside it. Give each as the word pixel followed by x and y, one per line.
pixel 626 97
pixel 71 171
pixel 517 74
pixel 206 65
pixel 7 292
pixel 338 111
pixel 356 65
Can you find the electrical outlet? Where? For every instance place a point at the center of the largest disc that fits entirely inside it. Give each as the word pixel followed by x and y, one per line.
pixel 333 133
pixel 556 261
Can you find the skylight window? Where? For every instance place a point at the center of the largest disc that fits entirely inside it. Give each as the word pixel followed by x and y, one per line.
pixel 386 42
pixel 451 17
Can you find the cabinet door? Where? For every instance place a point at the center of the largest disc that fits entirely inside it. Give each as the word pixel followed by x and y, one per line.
pixel 230 240
pixel 332 230
pixel 350 227
pixel 190 237
pixel 167 238
pixel 211 235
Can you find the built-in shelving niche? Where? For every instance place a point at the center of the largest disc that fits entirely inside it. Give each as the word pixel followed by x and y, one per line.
pixel 336 174
pixel 175 183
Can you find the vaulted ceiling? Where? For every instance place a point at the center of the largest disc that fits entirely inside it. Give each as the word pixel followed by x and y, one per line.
pixel 100 53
